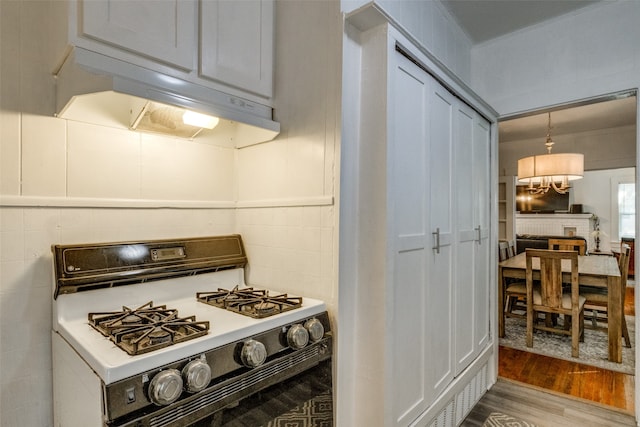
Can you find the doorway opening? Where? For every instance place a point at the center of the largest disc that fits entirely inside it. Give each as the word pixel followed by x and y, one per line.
pixel 604 130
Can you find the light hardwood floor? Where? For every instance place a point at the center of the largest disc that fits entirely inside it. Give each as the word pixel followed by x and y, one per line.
pixel 543 408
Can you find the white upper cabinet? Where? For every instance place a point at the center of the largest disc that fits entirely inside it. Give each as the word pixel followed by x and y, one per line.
pixel 236 42
pixel 225 45
pixel 162 30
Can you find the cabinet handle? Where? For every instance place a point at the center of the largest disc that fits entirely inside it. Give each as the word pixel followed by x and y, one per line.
pixel 436 238
pixel 479 235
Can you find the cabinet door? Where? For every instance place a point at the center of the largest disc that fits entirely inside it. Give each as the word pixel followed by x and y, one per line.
pixel 482 256
pixel 466 237
pixel 440 330
pixel 408 154
pixel 163 30
pixel 236 43
pixel 471 277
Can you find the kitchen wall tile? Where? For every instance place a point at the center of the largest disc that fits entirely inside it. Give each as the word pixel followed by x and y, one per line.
pixel 295 216
pixel 310 239
pixel 111 219
pixel 103 162
pixel 70 236
pixel 76 218
pixel 37 244
pixel 279 216
pixel 11 276
pixel 38 272
pixel 11 219
pixel 326 240
pixel 11 246
pixel 311 216
pixel 41 219
pixel 44 155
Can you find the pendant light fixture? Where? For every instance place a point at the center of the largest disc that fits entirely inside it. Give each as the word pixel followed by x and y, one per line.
pixel 550 170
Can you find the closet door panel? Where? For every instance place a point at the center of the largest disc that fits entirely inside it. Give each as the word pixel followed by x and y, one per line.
pixel 408 189
pixel 440 257
pixel 466 237
pixel 482 182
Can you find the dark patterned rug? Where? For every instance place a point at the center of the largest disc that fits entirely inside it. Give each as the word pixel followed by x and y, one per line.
pixel 498 419
pixel 302 401
pixel 316 412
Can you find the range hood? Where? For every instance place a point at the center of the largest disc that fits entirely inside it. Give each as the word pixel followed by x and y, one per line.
pixel 97 89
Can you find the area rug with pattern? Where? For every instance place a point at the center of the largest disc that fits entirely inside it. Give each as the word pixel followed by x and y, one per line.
pixel 316 412
pixel 593 351
pixel 302 401
pixel 498 419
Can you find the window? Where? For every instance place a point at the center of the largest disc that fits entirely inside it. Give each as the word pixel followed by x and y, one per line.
pixel 627 209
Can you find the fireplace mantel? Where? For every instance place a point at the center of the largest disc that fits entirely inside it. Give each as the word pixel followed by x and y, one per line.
pixel 556 224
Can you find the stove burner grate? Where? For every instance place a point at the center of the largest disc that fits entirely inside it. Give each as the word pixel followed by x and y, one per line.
pixel 251 302
pixel 147 327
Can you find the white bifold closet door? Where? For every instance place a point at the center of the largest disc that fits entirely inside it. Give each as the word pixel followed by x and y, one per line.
pixel 439 200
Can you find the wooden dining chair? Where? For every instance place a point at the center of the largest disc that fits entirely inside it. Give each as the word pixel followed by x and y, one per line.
pixel 515 291
pixel 597 298
pixel 550 298
pixel 568 245
pixel 503 250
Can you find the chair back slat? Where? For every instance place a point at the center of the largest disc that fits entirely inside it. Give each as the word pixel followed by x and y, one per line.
pixel 551 282
pixel 568 245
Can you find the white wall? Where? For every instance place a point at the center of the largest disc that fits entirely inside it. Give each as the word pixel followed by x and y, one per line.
pixel 70 182
pixel 590 52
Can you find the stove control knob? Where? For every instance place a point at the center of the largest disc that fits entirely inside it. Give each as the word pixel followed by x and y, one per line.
pixel 165 387
pixel 297 337
pixel 196 375
pixel 315 328
pixel 253 354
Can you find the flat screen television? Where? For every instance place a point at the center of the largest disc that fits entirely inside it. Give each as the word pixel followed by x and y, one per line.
pixel 548 202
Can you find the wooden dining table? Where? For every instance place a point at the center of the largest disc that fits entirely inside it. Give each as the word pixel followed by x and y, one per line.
pixel 600 271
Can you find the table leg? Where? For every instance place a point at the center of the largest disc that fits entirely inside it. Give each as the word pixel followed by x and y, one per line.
pixel 616 311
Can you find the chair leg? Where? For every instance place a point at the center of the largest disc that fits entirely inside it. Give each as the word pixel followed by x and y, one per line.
pixel 509 304
pixel 530 315
pixel 575 338
pixel 625 333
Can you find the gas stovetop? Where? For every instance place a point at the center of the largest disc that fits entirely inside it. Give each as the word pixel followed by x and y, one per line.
pixel 147 327
pixel 257 303
pixel 112 363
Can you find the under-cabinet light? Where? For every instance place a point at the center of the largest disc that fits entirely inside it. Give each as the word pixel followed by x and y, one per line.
pixel 199 120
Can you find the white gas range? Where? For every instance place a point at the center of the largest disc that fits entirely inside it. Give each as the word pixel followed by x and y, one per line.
pixel 166 333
